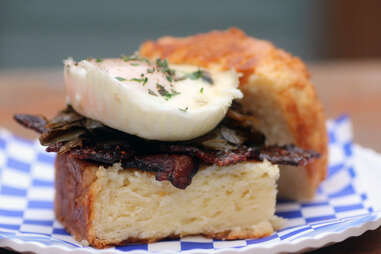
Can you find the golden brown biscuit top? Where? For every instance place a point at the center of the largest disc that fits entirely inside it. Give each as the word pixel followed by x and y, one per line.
pixel 229 49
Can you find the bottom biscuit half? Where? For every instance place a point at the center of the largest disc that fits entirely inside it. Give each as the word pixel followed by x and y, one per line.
pixel 113 206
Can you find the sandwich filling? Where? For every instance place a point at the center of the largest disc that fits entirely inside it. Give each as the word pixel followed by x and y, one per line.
pixel 156 117
pixel 229 143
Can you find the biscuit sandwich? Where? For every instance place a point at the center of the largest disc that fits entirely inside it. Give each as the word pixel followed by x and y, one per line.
pixel 189 136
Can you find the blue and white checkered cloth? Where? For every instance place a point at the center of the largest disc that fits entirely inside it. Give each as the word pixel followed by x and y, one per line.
pixel 27 192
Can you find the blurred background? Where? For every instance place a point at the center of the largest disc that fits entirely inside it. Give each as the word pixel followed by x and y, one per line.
pixel 340 40
pixel 42 33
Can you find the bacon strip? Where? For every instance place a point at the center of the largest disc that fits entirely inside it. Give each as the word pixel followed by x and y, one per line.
pixel 178 169
pixel 286 155
pixel 177 162
pixel 107 154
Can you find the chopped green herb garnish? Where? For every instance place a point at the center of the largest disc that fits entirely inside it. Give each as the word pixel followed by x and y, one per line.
pixel 98 60
pixel 130 58
pixel 201 90
pixel 140 80
pixel 204 75
pixel 151 70
pixel 134 57
pixel 169 78
pixel 120 78
pixel 145 81
pixel 162 65
pixel 161 89
pixel 134 64
pixel 184 109
pixel 164 92
pixel 195 75
pixel 152 92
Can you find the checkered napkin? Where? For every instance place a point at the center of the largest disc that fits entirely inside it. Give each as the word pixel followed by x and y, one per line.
pixel 26 200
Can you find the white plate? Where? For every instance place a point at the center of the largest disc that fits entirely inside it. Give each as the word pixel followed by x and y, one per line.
pixel 345 205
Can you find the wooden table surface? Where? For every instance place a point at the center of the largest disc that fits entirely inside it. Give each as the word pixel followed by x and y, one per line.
pixel 347 87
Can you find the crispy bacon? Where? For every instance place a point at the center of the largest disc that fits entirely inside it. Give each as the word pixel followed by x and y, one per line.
pixel 177 162
pixel 108 154
pixel 178 169
pixel 220 158
pixel 287 154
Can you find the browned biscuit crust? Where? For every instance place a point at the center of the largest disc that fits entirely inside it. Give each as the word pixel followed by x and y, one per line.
pixel 291 90
pixel 73 200
pixel 230 49
pixel 72 203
